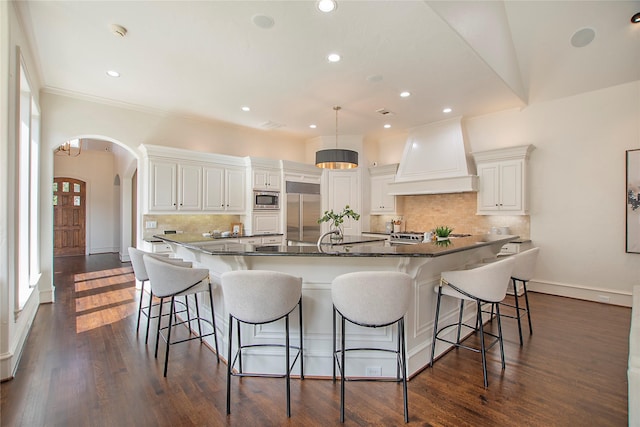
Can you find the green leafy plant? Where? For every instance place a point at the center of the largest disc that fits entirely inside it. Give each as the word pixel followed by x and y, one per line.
pixel 337 219
pixel 443 231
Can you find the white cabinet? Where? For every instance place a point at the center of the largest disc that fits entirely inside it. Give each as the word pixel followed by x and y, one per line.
pixel 224 189
pixel 264 223
pixel 266 179
pixel 503 183
pixel 344 189
pixel 381 201
pixel 500 186
pixel 175 186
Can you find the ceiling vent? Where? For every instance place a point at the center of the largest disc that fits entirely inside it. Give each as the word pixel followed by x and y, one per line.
pixel 271 125
pixel 385 112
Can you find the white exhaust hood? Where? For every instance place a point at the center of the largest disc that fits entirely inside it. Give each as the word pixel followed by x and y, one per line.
pixel 435 161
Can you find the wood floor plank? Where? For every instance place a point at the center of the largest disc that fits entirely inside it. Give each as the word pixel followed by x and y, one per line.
pixel 84 364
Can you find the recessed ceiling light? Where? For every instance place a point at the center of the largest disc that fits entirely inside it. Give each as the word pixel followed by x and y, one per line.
pixel 245 108
pixel 113 73
pixel 405 94
pixel 326 6
pixel 635 19
pixel 447 110
pixel 333 57
pixel 387 126
pixel 313 126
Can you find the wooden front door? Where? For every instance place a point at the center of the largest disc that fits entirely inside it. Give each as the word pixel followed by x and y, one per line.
pixel 69 201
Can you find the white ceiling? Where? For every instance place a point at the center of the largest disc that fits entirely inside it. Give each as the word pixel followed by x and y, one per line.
pixel 208 59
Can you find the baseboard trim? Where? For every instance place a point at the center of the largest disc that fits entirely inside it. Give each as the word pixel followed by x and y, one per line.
pixel 605 296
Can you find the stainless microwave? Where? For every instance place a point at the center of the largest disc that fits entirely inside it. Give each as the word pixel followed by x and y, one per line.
pixel 266 200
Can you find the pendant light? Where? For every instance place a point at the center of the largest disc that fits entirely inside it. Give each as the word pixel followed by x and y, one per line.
pixel 335 158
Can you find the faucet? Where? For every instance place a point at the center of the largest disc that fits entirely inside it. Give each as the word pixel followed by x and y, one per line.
pixel 323 236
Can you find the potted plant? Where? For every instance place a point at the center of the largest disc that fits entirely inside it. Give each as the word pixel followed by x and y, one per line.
pixel 337 219
pixel 442 232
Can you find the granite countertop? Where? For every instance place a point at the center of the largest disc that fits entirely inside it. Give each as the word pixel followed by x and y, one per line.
pixel 374 249
pixel 197 238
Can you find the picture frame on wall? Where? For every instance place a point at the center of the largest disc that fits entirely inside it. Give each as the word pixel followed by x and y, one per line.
pixel 633 202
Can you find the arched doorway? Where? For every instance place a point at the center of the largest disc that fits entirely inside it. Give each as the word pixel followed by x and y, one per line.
pixel 69 216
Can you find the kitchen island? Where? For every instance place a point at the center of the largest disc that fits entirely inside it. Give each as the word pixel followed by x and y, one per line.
pixel 318 266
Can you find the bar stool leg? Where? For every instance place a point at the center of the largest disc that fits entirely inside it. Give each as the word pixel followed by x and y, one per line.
pixel 403 357
pixel 195 297
pixel 435 326
pixel 229 363
pixel 213 323
pixel 168 344
pixel 460 320
pixel 140 305
pixel 239 347
pixel 301 343
pixel 342 367
pixel 288 368
pixel 515 297
pixel 482 346
pixel 526 300
pixel 159 324
pixel 500 333
pixel 334 355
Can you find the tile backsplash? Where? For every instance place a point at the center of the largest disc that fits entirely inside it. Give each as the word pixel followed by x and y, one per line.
pixel 188 223
pixel 457 210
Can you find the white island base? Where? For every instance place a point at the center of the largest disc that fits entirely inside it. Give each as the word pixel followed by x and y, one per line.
pixel 317 272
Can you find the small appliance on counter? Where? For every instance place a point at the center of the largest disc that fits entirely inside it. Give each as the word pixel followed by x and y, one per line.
pixel 503 231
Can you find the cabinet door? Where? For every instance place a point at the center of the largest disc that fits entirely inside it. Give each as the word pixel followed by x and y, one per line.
pixel 488 194
pixel 189 188
pixel 214 189
pixel 344 190
pixel 381 200
pixel 235 190
pixel 511 186
pixel 162 186
pixel 264 179
pixel 266 223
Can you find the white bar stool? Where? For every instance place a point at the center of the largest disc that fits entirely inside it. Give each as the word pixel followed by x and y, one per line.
pixel 485 284
pixel 372 299
pixel 140 273
pixel 171 281
pixel 257 297
pixel 522 272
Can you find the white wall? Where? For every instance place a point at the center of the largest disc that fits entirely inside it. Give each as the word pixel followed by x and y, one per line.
pixel 14 324
pixel 577 186
pixel 97 169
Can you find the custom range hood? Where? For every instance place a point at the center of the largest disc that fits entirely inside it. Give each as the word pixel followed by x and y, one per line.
pixel 435 162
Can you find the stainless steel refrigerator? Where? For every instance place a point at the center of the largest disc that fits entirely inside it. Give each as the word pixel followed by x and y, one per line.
pixel 303 211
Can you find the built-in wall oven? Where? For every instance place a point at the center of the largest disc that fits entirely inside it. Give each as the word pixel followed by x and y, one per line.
pixel 266 200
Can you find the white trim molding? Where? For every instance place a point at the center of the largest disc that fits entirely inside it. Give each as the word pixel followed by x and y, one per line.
pixel 601 295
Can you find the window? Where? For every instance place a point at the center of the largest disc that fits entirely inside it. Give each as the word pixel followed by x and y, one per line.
pixel 28 164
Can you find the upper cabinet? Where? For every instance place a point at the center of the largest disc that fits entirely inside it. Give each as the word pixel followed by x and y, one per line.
pixel 381 201
pixel 344 188
pixel 224 189
pixel 185 181
pixel 266 179
pixel 175 186
pixel 503 180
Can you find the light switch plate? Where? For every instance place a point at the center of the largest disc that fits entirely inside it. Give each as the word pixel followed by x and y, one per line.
pixel 151 224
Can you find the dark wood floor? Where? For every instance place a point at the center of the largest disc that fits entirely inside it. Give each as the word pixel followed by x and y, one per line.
pixel 83 365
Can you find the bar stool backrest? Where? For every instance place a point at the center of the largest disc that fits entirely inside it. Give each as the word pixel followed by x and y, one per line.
pixel 137 262
pixel 488 282
pixel 525 264
pixel 260 296
pixel 168 279
pixel 372 297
